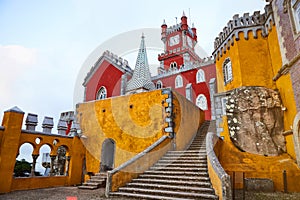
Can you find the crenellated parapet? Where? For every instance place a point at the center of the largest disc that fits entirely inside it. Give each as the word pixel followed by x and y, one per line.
pixel 64 127
pixel 192 65
pixel 119 62
pixel 246 23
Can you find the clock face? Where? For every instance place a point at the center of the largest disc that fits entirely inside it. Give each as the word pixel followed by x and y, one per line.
pixel 174 40
pixel 189 41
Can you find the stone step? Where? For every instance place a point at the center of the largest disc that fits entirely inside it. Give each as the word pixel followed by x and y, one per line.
pixel 191 178
pixel 179 168
pixel 181 164
pixel 180 160
pixel 169 193
pixel 173 187
pixel 187 173
pixel 184 156
pixel 145 196
pixel 174 182
pixel 91 184
pixel 88 187
pixel 100 181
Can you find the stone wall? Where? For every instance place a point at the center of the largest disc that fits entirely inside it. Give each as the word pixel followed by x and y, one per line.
pixel 255 120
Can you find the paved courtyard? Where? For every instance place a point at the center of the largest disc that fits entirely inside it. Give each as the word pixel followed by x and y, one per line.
pixel 72 193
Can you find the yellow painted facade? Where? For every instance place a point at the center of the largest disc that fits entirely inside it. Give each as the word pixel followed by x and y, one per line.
pixel 134 123
pixel 12 137
pixel 255 61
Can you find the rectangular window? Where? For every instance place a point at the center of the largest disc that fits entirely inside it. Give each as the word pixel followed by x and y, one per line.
pixel 295 6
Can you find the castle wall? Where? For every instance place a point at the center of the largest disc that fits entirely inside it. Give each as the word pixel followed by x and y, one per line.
pixel 133 122
pixel 12 136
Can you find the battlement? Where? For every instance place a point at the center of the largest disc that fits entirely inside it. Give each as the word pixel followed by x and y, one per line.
pixel 193 65
pixel 114 59
pixel 66 125
pixel 174 28
pixel 245 24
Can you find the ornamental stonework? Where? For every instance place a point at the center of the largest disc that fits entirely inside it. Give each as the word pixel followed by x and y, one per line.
pixel 255 120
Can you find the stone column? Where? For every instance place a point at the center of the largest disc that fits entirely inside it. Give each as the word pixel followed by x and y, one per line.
pixel 34 157
pixel 67 165
pixel 52 165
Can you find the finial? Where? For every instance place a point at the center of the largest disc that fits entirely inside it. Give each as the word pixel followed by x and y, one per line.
pixel 193 25
pixel 143 35
pixel 164 22
pixel 183 14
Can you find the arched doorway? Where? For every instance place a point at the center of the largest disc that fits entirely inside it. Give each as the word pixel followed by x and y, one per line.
pixel 107 155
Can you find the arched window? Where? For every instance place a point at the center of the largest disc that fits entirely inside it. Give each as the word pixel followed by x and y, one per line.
pixel 178 82
pixel 227 71
pixel 173 65
pixel 101 94
pixel 201 102
pixel 200 76
pixel 159 85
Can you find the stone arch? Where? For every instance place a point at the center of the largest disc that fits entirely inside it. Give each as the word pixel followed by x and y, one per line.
pixel 107 155
pixel 44 160
pixel 24 156
pixel 296 137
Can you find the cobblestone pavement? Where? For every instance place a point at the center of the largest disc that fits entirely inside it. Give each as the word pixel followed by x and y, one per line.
pixel 72 193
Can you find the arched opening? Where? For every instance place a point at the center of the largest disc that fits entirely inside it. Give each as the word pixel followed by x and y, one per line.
pixel 178 81
pixel 24 161
pixel 201 102
pixel 102 93
pixel 159 85
pixel 107 155
pixel 60 161
pixel 43 162
pixel 200 77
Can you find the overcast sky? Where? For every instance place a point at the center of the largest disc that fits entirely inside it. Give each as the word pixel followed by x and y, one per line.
pixel 43 44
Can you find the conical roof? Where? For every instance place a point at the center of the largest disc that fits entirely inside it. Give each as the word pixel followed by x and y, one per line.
pixel 141 78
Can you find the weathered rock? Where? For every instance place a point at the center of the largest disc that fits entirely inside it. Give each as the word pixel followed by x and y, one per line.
pixel 255 120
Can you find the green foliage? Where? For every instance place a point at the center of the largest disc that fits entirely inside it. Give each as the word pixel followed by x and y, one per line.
pixel 22 168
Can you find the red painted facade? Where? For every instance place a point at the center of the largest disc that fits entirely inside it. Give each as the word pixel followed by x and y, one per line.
pixel 106 75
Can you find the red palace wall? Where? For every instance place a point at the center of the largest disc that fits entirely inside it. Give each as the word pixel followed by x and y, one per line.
pixel 197 88
pixel 106 75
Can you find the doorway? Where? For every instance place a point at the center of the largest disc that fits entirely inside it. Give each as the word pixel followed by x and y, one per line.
pixel 107 155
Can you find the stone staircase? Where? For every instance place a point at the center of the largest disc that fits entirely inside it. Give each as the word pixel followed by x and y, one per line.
pixel 96 181
pixel 177 175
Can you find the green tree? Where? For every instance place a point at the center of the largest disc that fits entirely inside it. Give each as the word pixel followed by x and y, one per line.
pixel 22 168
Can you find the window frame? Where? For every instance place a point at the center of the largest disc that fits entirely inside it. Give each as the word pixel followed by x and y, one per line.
pixel 206 103
pixel 102 88
pixel 227 71
pixel 178 81
pixel 199 78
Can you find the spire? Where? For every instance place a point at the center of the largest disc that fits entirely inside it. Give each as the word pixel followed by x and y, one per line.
pixel 164 22
pixel 183 14
pixel 141 79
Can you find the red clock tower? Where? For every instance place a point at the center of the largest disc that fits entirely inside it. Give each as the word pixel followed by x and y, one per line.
pixel 179 42
pixel 182 69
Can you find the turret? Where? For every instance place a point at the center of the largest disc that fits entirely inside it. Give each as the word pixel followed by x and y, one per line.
pixel 164 31
pixel 184 25
pixel 194 32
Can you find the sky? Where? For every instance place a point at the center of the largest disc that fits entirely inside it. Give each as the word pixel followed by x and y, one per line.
pixel 45 44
